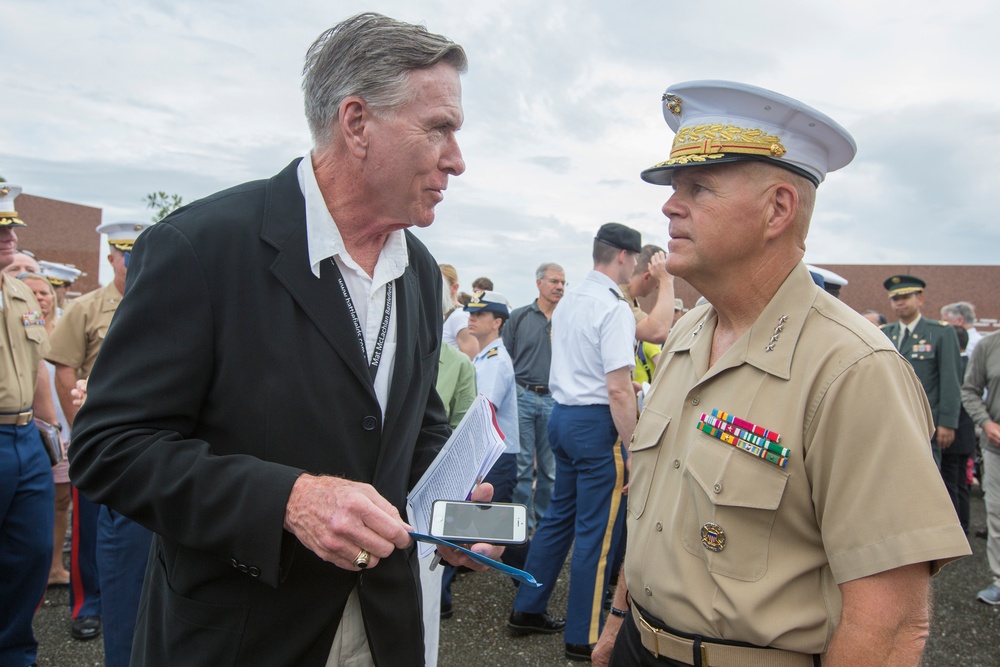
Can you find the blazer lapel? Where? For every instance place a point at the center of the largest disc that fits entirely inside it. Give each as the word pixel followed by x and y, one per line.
pixel 284 227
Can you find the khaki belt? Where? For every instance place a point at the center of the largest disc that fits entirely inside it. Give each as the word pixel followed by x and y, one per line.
pixel 17 418
pixel 662 643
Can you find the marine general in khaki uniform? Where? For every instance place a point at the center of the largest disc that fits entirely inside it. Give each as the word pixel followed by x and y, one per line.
pixel 784 507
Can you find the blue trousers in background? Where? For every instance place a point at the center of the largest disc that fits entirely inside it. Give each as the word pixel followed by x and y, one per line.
pixel 27 515
pixel 122 552
pixel 84 586
pixel 535 463
pixel 587 513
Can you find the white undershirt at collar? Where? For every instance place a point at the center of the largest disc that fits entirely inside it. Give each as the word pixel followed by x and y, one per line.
pixel 367 292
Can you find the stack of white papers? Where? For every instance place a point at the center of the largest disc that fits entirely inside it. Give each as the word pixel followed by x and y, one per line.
pixel 463 462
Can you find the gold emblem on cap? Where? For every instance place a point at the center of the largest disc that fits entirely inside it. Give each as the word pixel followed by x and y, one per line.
pixel 137 228
pixel 673 103
pixel 4 191
pixel 698 143
pixel 713 537
pixel 896 280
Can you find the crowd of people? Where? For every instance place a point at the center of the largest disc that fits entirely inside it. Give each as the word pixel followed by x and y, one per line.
pixel 756 480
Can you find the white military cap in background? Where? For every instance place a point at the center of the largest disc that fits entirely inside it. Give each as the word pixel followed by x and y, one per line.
pixel 122 235
pixel 59 274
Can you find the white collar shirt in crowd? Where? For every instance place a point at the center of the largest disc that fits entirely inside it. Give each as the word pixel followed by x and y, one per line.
pixel 495 380
pixel 593 333
pixel 367 292
pixel 974 337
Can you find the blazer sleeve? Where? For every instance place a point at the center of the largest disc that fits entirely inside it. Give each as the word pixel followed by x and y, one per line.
pixel 133 447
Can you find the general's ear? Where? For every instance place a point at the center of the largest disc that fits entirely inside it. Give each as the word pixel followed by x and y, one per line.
pixel 784 207
pixel 353 123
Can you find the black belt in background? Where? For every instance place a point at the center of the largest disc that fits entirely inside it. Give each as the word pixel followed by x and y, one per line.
pixel 539 389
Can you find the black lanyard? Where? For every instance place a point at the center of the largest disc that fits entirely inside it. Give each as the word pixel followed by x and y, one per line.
pixel 383 329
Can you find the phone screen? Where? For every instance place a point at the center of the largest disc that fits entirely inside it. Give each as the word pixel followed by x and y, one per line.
pixel 472 521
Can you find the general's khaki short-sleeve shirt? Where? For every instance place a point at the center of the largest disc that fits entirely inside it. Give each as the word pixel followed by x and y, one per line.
pixel 23 341
pixel 80 331
pixel 728 545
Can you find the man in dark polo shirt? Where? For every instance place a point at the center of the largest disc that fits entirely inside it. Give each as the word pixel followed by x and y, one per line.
pixel 528 339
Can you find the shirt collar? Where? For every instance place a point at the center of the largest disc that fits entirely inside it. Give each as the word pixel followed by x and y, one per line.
pixel 770 343
pixel 324 239
pixel 602 279
pixel 912 325
pixel 496 343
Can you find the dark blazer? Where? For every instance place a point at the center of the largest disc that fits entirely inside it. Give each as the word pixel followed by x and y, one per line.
pixel 229 369
pixel 932 350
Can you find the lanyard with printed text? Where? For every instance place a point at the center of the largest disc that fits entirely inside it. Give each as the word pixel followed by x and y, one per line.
pixel 383 329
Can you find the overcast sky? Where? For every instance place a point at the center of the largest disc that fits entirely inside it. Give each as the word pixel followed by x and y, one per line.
pixel 105 101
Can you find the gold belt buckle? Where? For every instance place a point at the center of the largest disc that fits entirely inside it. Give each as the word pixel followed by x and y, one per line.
pixel 24 418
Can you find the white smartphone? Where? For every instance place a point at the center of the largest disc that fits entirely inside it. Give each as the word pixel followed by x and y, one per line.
pixel 495 523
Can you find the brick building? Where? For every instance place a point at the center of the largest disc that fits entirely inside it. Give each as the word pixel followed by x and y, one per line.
pixel 979 285
pixel 62 232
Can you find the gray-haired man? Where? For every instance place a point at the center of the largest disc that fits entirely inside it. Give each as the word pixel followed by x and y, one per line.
pixel 528 339
pixel 963 314
pixel 265 398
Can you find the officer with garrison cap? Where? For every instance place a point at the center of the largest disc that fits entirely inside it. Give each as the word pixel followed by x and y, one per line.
pixel 27 493
pixel 593 331
pixel 783 508
pixel 931 347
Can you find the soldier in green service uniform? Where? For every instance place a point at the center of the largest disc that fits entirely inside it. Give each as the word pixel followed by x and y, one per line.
pixel 931 347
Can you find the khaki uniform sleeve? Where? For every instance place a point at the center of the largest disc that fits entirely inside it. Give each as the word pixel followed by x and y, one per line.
pixel 879 499
pixel 69 340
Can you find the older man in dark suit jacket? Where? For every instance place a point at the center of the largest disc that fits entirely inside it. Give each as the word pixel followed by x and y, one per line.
pixel 265 395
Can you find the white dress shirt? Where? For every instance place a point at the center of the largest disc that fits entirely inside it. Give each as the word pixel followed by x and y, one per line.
pixel 367 292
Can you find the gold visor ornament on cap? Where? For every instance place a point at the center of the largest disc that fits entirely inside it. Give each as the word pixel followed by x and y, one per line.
pixel 125 245
pixel 713 537
pixel 705 142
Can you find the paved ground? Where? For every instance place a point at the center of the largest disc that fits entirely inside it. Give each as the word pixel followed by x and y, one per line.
pixel 964 631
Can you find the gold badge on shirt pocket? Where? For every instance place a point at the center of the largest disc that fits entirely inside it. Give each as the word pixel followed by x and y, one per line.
pixel 713 537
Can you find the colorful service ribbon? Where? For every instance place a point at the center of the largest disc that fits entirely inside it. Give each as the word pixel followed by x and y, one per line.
pixel 749 426
pixel 740 443
pixel 752 438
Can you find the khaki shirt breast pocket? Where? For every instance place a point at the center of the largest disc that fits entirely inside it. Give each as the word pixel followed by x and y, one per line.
pixel 645 451
pixel 731 501
pixel 39 342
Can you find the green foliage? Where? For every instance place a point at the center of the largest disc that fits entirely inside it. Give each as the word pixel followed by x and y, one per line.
pixel 162 204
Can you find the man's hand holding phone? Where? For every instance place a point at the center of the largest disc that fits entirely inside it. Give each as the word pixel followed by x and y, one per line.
pixel 483 493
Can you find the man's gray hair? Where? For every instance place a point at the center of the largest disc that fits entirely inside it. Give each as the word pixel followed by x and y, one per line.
pixel 368 55
pixel 962 309
pixel 545 268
